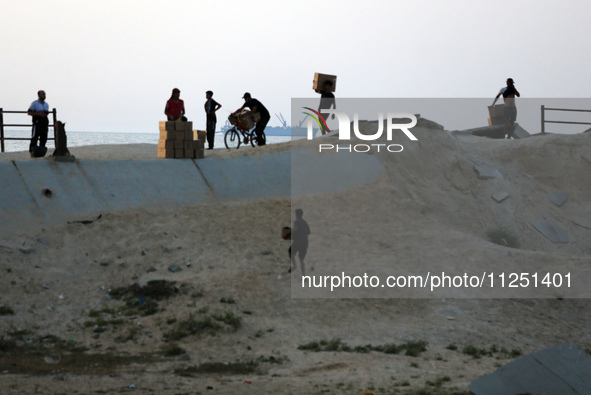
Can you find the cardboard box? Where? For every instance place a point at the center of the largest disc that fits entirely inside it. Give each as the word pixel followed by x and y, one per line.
pixel 167 135
pixel 199 138
pixel 179 144
pixel 165 144
pixel 320 79
pixel 244 119
pixel 200 153
pixel 166 153
pixel 496 121
pixel 180 135
pixel 189 154
pixel 496 111
pixel 179 153
pixel 180 125
pixel 189 145
pixel 167 125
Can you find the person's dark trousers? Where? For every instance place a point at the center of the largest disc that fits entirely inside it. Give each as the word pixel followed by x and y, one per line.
pixel 324 129
pixel 211 121
pixel 260 128
pixel 39 133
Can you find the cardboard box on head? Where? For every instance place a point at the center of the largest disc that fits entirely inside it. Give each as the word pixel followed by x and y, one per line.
pixel 320 79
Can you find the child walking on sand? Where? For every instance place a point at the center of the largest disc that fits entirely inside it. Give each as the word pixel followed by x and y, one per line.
pixel 299 237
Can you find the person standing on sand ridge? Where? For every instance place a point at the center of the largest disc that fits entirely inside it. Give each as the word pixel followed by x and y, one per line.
pixel 509 111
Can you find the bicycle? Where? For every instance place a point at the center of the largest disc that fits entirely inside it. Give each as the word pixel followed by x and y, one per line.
pixel 242 132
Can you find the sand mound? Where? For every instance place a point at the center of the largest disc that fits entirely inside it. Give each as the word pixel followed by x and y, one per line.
pixel 236 324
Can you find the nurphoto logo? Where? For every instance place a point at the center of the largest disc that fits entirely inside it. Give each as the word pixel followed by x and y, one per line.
pixel 345 130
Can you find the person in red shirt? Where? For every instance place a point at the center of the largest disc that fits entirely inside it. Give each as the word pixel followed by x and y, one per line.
pixel 175 107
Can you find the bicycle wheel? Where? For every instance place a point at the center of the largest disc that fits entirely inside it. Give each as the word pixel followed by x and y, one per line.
pixel 253 139
pixel 232 139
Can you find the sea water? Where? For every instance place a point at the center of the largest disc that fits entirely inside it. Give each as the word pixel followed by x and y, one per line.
pixel 77 139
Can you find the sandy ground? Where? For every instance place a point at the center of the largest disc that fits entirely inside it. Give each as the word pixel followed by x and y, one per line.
pixel 234 322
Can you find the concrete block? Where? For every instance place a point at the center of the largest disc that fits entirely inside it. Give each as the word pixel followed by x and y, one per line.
pixel 558 198
pixel 313 172
pixel 520 132
pixel 248 177
pixel 47 190
pixel 562 369
pixel 485 172
pixel 500 196
pixel 60 189
pixel 551 231
pixel 17 205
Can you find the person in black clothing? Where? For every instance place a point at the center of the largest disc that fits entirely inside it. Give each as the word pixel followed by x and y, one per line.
pixel 211 106
pixel 509 111
pixel 299 236
pixel 327 101
pixel 256 106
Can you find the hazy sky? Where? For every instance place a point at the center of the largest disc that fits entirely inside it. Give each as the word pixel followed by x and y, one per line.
pixel 111 65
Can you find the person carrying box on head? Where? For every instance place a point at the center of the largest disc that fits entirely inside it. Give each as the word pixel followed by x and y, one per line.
pixel 327 101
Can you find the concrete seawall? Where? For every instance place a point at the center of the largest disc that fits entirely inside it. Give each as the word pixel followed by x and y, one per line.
pixel 37 191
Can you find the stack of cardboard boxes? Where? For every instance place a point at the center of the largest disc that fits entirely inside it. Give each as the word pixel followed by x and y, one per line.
pixel 178 140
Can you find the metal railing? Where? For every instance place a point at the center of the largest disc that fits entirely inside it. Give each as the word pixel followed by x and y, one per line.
pixel 20 125
pixel 544 121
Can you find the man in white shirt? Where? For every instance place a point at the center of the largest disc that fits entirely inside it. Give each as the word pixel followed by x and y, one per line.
pixel 39 110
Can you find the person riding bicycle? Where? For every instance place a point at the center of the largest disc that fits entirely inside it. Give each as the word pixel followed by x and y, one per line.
pixel 256 106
